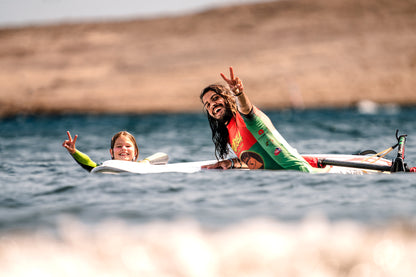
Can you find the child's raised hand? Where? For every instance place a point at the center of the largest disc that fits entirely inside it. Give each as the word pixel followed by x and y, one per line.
pixel 69 144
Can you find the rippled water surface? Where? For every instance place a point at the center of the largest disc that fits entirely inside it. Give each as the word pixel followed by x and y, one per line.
pixel 41 185
pixel 40 181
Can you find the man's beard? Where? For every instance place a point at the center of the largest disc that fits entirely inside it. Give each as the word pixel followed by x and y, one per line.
pixel 227 116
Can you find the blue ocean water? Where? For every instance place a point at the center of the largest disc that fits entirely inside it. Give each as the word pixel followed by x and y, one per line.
pixel 56 219
pixel 40 183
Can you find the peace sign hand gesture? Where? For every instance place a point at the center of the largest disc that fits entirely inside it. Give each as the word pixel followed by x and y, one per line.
pixel 69 144
pixel 236 86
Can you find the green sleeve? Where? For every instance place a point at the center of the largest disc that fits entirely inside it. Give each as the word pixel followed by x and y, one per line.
pixel 83 160
pixel 273 143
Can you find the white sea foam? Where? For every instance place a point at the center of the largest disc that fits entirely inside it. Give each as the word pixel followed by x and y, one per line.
pixel 313 247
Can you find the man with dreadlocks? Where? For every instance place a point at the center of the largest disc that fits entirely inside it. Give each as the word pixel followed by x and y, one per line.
pixel 236 122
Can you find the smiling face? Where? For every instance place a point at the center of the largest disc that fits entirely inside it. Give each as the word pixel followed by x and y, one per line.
pixel 124 149
pixel 214 104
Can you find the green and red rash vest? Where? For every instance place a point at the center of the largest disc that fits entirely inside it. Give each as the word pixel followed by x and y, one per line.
pixel 258 144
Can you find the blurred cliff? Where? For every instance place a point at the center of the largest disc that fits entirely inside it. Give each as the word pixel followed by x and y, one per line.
pixel 294 53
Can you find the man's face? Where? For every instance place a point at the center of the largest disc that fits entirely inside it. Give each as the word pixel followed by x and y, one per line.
pixel 215 105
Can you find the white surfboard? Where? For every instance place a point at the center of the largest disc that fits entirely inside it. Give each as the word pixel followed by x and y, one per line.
pixel 160 165
pixel 115 166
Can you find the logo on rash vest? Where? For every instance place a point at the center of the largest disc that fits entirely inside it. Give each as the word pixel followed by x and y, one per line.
pixel 252 160
pixel 269 141
pixel 261 132
pixel 277 151
pixel 236 142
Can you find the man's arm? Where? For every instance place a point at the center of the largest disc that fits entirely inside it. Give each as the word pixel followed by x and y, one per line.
pixel 227 164
pixel 236 86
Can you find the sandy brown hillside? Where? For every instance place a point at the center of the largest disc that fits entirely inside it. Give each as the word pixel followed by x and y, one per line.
pixel 295 52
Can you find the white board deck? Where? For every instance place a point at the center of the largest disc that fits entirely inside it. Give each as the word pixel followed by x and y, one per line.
pixel 115 166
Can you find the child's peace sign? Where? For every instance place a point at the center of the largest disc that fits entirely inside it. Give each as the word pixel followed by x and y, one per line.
pixel 69 144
